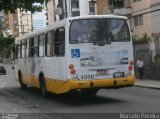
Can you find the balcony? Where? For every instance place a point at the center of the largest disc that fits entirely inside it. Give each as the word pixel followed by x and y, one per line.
pixel 123 11
pixel 119 7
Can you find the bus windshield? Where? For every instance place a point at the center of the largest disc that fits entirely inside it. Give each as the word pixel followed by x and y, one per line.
pixel 99 31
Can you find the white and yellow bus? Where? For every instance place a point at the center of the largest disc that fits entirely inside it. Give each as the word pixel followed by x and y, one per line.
pixel 83 54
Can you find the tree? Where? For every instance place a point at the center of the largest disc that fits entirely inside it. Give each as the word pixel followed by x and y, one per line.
pixel 6 45
pixel 24 5
pixel 1 28
pixel 141 39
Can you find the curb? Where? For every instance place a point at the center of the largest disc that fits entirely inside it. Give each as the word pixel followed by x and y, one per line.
pixel 147 86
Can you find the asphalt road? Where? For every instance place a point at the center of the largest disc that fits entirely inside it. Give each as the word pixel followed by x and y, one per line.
pixel 126 100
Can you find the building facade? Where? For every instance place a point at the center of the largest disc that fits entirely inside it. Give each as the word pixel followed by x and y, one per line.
pixel 17 24
pixel 39 20
pixel 155 26
pixel 61 9
pixel 144 18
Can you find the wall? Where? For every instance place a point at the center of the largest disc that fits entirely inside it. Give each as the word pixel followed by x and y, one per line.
pixel 141 7
pixel 152 71
pixel 102 6
pixel 84 7
pixel 51 14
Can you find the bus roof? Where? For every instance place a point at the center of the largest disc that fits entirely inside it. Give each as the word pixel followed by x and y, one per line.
pixel 62 23
pixel 98 16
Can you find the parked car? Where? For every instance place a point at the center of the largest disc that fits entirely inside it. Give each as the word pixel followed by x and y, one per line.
pixel 2 68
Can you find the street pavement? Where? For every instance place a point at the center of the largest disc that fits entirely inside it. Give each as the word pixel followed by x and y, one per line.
pixel 148 83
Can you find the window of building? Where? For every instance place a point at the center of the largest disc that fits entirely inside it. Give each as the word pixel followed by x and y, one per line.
pixel 92 8
pixel 118 4
pixel 75 4
pixel 138 20
pixel 75 8
pixel 157 43
pixel 136 0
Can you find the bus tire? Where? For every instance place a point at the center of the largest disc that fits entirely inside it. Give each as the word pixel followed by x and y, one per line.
pixel 22 85
pixel 43 88
pixel 89 92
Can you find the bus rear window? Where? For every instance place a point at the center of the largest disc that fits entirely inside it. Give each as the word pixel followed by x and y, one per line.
pixel 99 30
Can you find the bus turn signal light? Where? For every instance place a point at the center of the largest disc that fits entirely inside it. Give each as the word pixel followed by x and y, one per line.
pixel 71 66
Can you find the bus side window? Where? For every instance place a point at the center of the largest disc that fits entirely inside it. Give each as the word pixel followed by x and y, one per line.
pixel 36 48
pixel 59 42
pixel 49 43
pixel 23 49
pixel 20 49
pixel 27 48
pixel 31 47
pixel 41 40
pixel 16 51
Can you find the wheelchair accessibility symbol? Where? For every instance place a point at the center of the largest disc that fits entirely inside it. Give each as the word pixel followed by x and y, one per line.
pixel 75 53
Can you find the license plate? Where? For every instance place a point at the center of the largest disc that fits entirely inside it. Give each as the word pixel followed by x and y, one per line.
pixel 102 72
pixel 118 74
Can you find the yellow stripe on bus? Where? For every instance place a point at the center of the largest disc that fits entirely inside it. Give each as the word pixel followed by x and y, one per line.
pixel 60 86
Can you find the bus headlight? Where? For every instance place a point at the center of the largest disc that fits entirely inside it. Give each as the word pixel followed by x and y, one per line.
pixel 75 77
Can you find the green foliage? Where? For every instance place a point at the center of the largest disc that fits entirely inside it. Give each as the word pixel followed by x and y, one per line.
pixel 157 58
pixel 24 5
pixel 1 28
pixel 141 39
pixel 6 45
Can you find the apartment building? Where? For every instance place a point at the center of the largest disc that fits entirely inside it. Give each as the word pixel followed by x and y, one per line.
pixel 144 18
pixel 155 26
pixel 39 20
pixel 18 24
pixel 6 21
pixel 24 22
pixel 120 7
pixel 61 9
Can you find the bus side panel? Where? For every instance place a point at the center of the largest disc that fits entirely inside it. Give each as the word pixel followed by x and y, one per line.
pixel 54 71
pixel 20 67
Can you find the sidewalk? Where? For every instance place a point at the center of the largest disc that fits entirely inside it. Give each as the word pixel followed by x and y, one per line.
pixel 148 83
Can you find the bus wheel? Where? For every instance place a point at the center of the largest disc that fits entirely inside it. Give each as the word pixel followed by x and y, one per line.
pixel 23 86
pixel 43 89
pixel 89 92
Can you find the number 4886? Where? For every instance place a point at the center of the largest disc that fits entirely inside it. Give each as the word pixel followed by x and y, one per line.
pixel 89 76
